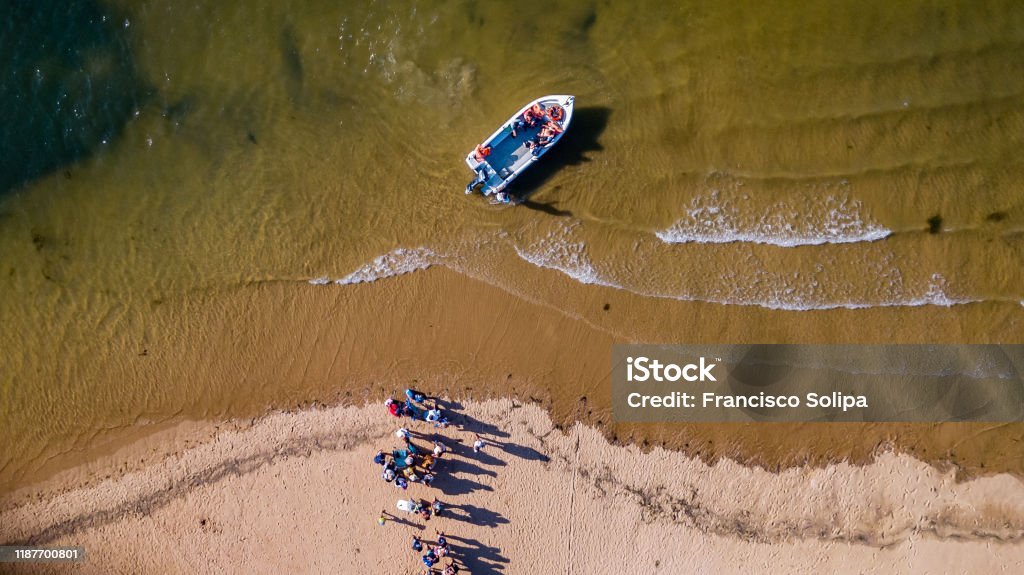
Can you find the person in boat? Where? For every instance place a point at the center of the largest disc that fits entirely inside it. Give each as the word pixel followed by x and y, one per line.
pixel 481 152
pixel 547 134
pixel 529 119
pixel 556 113
pixel 550 130
pixel 538 143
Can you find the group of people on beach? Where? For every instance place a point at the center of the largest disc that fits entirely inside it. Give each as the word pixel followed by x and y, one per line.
pixel 415 408
pixel 435 553
pixel 415 464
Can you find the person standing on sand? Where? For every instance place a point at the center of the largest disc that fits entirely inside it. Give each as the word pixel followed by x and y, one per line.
pixel 382 518
pixel 478 444
pixel 417 545
pixel 433 415
pixel 439 448
pixel 427 463
pixel 437 506
pixel 430 558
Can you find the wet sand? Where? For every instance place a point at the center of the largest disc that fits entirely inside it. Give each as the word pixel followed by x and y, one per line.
pixel 289 344
pixel 537 499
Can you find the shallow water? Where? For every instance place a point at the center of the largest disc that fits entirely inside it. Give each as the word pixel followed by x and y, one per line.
pixel 774 155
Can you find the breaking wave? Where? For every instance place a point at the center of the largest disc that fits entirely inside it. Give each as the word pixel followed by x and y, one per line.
pixel 564 249
pixel 559 252
pixel 787 298
pixel 816 220
pixel 394 263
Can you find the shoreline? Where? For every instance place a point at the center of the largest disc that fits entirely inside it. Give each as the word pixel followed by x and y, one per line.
pixel 546 350
pixel 223 496
pixel 144 446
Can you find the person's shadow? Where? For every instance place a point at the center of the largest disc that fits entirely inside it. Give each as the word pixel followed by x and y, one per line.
pixel 450 482
pixel 470 423
pixel 478 558
pixel 520 451
pixel 582 137
pixel 475 515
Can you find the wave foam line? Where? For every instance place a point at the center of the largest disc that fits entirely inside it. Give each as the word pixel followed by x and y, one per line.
pixel 580 269
pixel 394 263
pixel 716 220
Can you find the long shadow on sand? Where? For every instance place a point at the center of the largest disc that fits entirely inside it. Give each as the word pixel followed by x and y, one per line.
pixel 396 519
pixel 581 138
pixel 521 451
pixel 453 466
pixel 451 485
pixel 478 558
pixel 475 515
pixel 482 457
pixel 470 423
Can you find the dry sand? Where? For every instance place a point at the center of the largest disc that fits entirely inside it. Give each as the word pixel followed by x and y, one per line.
pixel 297 492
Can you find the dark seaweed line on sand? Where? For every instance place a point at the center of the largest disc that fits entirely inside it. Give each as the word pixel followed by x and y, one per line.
pixel 659 505
pixel 656 503
pixel 147 504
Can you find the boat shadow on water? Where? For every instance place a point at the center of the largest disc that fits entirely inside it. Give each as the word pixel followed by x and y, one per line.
pixel 572 150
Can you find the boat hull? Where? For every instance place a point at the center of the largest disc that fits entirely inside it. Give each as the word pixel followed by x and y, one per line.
pixel 510 155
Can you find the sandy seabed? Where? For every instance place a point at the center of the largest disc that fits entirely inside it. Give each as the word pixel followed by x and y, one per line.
pixel 298 492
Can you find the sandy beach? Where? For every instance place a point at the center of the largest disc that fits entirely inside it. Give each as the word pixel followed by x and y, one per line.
pixel 297 492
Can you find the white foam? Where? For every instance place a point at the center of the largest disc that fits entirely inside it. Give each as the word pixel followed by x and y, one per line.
pixel 813 220
pixel 396 262
pixel 558 251
pixel 564 251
